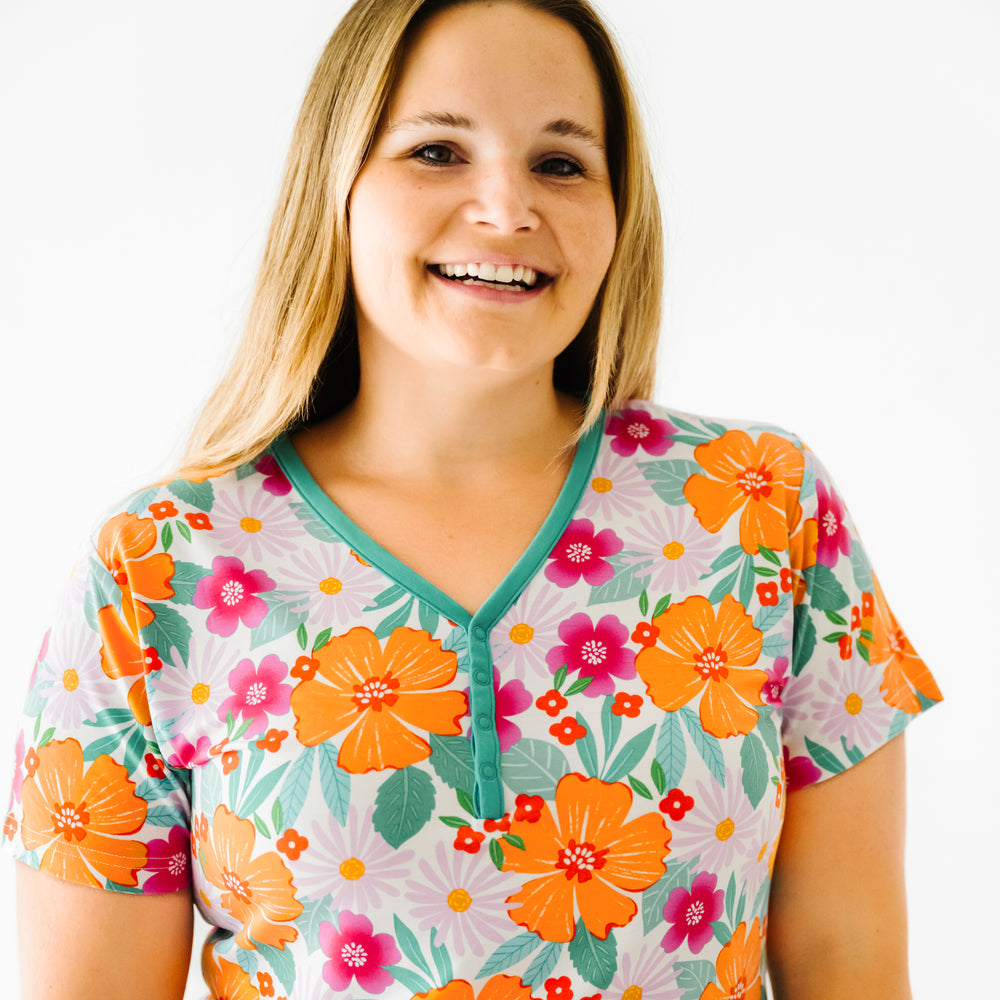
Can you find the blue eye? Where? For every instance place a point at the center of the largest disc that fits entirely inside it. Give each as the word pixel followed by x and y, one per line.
pixel 560 166
pixel 434 153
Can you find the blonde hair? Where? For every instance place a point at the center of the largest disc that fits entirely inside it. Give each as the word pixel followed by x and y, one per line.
pixel 297 361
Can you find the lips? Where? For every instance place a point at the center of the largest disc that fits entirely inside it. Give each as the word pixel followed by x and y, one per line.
pixel 512 277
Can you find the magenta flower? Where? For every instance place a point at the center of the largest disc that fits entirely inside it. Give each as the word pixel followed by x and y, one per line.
pixel 257 692
pixel 231 594
pixel 581 552
pixel 356 953
pixel 777 678
pixel 169 861
pixel 510 699
pixel 187 755
pixel 834 538
pixel 275 483
pixel 638 428
pixel 692 913
pixel 799 771
pixel 596 651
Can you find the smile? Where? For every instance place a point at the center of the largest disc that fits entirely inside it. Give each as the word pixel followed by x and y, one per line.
pixel 484 274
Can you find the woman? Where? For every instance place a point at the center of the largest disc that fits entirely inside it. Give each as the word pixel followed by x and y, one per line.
pixel 462 675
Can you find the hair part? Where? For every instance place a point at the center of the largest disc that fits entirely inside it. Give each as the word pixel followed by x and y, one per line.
pixel 297 361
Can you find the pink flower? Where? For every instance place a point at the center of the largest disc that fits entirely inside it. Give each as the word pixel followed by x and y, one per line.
pixel 777 678
pixel 511 699
pixel 258 692
pixel 581 552
pixel 596 651
pixel 834 538
pixel 169 862
pixel 356 953
pixel 638 428
pixel 799 771
pixel 18 772
pixel 230 593
pixel 187 755
pixel 275 482
pixel 692 913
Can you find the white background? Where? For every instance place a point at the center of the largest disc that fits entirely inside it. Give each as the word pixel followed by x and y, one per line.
pixel 829 175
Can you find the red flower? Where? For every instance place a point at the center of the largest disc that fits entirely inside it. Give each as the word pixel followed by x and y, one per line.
pixel 230 761
pixel 567 730
pixel 162 510
pixel 272 741
pixel 265 985
pixel 867 605
pixel 154 767
pixel 497 825
pixel 627 704
pixel 305 668
pixel 31 762
pixel 552 703
pixel 10 826
pixel 292 844
pixel 558 989
pixel 528 808
pixel 199 521
pixel 676 804
pixel 645 634
pixel 855 618
pixel 845 644
pixel 151 659
pixel 469 840
pixel 767 593
pixel 787 580
pixel 217 748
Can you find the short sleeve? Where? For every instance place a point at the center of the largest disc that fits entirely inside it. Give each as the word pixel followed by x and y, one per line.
pixel 854 681
pixel 93 800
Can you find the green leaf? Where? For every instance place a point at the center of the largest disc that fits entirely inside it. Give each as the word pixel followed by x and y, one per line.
pixel 644 603
pixel 496 854
pixel 671 750
pixel 834 637
pixel 277 816
pixel 322 639
pixel 770 556
pixel 803 641
pixel 594 959
pixel 542 965
pixel 534 767
pixel 753 759
pixel 302 636
pixel 661 605
pixel 261 826
pixel 765 571
pixel 835 618
pixel 335 783
pixel 455 822
pixel 46 736
pixel 514 840
pixel 465 801
pixel 707 746
pixel 200 495
pixel 509 953
pixel 166 632
pixel 668 478
pixel 824 589
pixel 587 748
pixel 184 531
pixel 656 773
pixel 578 686
pixel 451 758
pixel 403 805
pixel 413 981
pixel 639 788
pixel 629 755
pixel 406 941
pixel 560 677
pixel 254 798
pixel 166 536
pixel 825 758
pixel 295 787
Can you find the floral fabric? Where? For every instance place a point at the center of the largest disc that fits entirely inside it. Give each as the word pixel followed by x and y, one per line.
pixel 575 793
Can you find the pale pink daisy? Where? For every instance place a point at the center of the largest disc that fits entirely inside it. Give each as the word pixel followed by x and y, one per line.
pixel 617 487
pixel 459 897
pixel 848 703
pixel 645 972
pixel 329 583
pixel 353 862
pixel 189 699
pixel 528 631
pixel 251 521
pixel 679 548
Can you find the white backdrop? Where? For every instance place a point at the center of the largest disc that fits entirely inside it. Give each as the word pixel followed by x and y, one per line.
pixel 829 174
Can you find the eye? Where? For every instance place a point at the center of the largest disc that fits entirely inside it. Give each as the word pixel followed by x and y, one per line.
pixel 560 166
pixel 434 153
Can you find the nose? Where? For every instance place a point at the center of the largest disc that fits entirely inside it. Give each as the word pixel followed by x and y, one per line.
pixel 504 198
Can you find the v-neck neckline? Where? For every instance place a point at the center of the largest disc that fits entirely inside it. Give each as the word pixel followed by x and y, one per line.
pixel 509 588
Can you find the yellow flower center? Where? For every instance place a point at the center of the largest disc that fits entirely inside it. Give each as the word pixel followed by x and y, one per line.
pixel 522 634
pixel 71 680
pixel 251 525
pixel 459 900
pixel 853 703
pixel 600 485
pixel 673 550
pixel 352 869
pixel 331 585
pixel 633 993
pixel 200 693
pixel 725 829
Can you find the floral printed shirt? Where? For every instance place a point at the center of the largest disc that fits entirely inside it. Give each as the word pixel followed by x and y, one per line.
pixel 576 792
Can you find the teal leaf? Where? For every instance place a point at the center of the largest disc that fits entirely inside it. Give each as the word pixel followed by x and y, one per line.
pixel 336 783
pixel 166 632
pixel 105 745
pixel 316 527
pixel 594 959
pixel 731 897
pixel 707 746
pixel 295 787
pixel 611 725
pixel 671 750
pixel 389 596
pixel 199 495
pixel 534 767
pixel 804 641
pixel 509 953
pixel 774 645
pixel 824 589
pixel 668 478
pixel 824 757
pixel 111 717
pixel 451 758
pixel 725 586
pixel 442 962
pixel 139 504
pixel 853 753
pixel 282 962
pixel 184 581
pixel 770 614
pixel 253 798
pixel 726 558
pixel 407 943
pixel 628 582
pixel 279 621
pixel 746 582
pixel 427 617
pixel 760 901
pixel 413 981
pixel 899 722
pixel 767 730
pixel 542 965
pixel 247 960
pixel 587 748
pixel 655 897
pixel 721 931
pixel 391 622
pixel 753 758
pixel 161 815
pixel 717 429
pixel 403 805
pixel 629 755
pixel 861 569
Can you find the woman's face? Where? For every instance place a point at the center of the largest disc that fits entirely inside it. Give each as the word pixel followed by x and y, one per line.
pixel 483 222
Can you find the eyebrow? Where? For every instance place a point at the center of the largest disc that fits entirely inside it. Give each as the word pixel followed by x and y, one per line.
pixel 565 127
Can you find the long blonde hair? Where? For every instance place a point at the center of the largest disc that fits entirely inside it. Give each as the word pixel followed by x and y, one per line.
pixel 297 361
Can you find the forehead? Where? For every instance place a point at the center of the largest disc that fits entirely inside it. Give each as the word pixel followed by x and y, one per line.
pixel 499 54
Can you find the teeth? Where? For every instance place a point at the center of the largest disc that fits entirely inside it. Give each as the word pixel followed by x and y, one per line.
pixel 504 274
pixel 487 272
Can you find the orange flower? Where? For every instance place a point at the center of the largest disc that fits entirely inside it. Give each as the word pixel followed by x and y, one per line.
pixel 122 656
pixel 760 478
pixel 708 654
pixel 904 672
pixel 79 818
pixel 380 697
pixel 737 968
pixel 587 857
pixel 496 988
pixel 257 891
pixel 226 981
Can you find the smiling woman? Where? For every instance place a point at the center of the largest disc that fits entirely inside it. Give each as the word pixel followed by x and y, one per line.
pixel 462 670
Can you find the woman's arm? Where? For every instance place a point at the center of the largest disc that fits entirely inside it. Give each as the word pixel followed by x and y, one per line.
pixel 837 923
pixel 76 942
